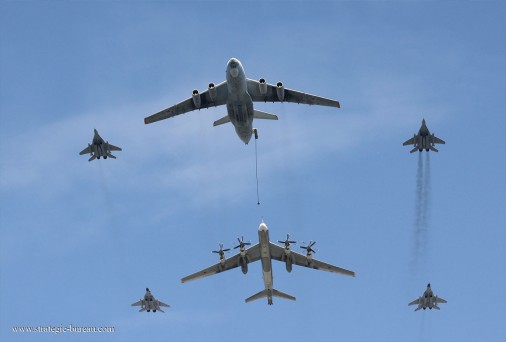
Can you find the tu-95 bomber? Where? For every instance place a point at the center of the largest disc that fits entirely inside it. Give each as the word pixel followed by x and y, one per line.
pixel 266 251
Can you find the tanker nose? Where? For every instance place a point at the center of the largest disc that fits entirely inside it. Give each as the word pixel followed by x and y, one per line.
pixel 234 72
pixel 233 67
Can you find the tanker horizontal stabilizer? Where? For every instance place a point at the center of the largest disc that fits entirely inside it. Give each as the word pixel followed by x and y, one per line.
pixel 222 121
pixel 258 114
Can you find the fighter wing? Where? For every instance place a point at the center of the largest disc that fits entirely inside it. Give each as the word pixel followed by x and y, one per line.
pixel 411 141
pixel 114 148
pixel 253 254
pixel 436 140
pixel 85 151
pixel 289 95
pixel 188 105
pixel 416 301
pixel 160 303
pixel 440 300
pixel 139 303
pixel 301 260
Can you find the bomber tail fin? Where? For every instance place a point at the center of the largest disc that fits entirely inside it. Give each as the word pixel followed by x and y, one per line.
pixel 258 114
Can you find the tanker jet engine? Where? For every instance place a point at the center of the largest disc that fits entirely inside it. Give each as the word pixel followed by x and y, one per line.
pixel 423 140
pixel 150 303
pixel 266 251
pixel 428 300
pixel 99 148
pixel 238 93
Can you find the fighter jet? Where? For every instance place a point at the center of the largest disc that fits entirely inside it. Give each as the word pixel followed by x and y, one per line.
pixel 266 251
pixel 150 303
pixel 423 140
pixel 99 148
pixel 239 93
pixel 428 300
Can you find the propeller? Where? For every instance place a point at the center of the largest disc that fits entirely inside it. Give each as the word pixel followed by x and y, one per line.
pixel 242 243
pixel 221 251
pixel 287 242
pixel 309 248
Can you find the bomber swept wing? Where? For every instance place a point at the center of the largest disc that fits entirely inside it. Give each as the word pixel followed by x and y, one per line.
pixel 278 252
pixel 253 254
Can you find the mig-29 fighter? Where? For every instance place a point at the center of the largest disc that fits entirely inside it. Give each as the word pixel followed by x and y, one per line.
pixel 266 251
pixel 150 303
pixel 99 148
pixel 423 140
pixel 428 300
pixel 239 93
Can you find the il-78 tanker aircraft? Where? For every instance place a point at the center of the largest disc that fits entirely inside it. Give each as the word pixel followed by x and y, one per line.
pixel 239 93
pixel 266 251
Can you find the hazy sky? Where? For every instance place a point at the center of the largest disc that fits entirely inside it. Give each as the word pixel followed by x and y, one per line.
pixel 80 241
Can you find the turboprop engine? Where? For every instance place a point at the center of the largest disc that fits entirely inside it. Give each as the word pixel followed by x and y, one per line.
pixel 243 262
pixel 289 259
pixel 212 91
pixel 280 91
pixel 243 257
pixel 196 98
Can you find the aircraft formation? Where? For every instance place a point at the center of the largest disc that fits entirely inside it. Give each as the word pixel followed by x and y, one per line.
pixel 239 93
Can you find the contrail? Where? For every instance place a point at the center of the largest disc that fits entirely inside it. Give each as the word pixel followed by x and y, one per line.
pixel 422 201
pixel 426 194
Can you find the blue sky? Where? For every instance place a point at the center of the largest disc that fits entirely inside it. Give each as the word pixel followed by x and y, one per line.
pixel 80 241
